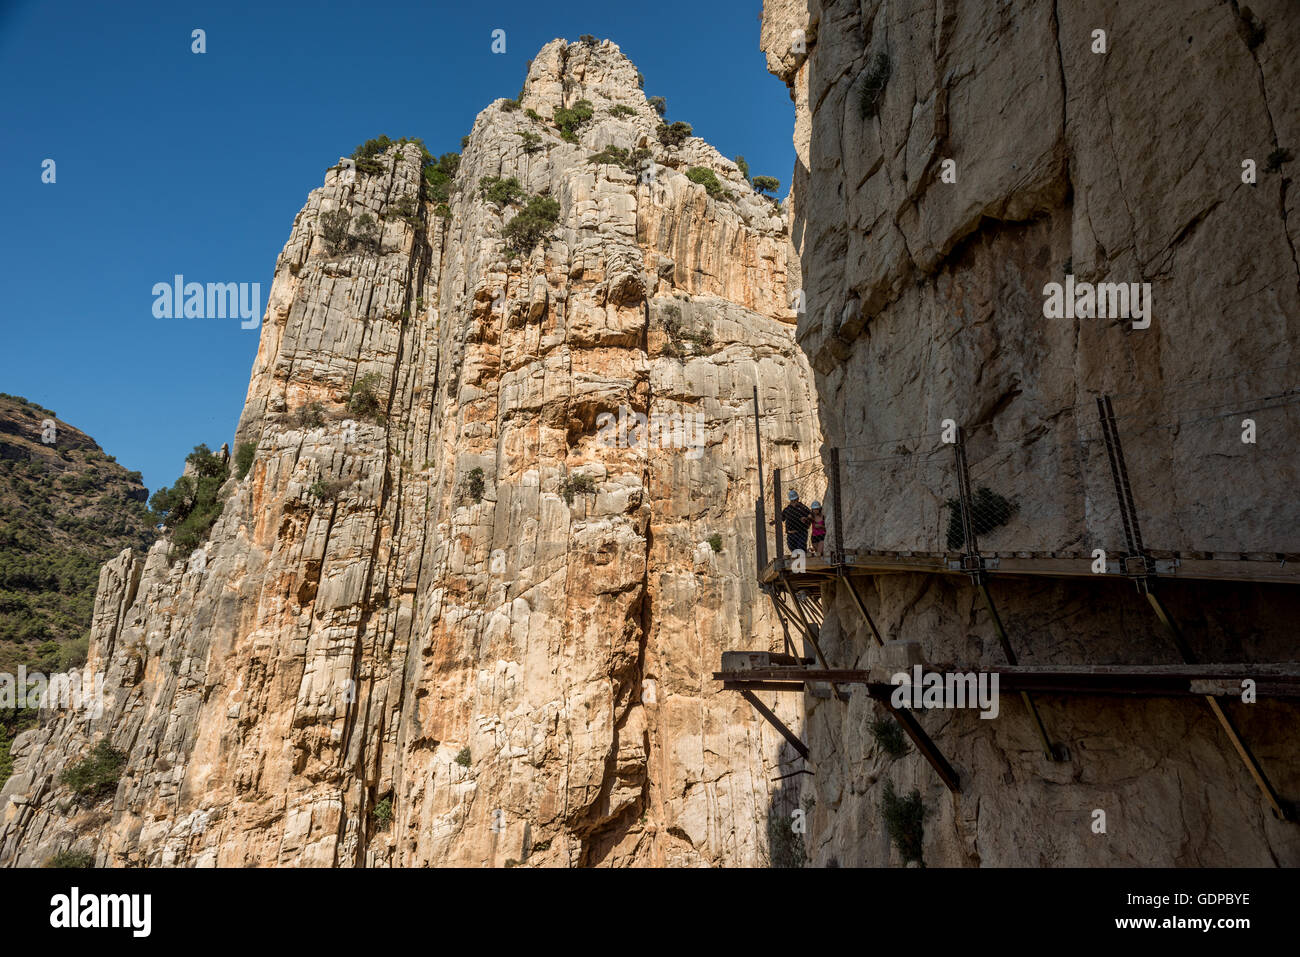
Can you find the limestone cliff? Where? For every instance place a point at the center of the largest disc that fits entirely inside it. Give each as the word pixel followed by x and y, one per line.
pixel 1125 160
pixel 452 614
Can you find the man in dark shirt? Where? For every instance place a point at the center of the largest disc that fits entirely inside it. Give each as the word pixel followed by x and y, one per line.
pixel 797 517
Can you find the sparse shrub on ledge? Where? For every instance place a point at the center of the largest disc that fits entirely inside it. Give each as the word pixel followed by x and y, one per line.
pixel 382 814
pixel 532 142
pixel 709 180
pixel 463 758
pixel 192 506
pixel 570 119
pixel 989 510
pixel 95 778
pixel 621 109
pixel 889 737
pixel 533 115
pixel 244 459
pixel 658 104
pixel 531 225
pixel 501 192
pixel 510 105
pixel 71 860
pixel 766 184
pixel 439 176
pixel 674 134
pixel 334 228
pixel 328 491
pixel 364 399
pixel 588 39
pixel 474 484
pixel 577 485
pixel 904 820
pixel 873 86
pixel 309 416
pixel 715 542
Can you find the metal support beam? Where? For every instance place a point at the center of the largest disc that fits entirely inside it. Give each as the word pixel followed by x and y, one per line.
pixel 1144 580
pixel 776 515
pixel 974 564
pixel 862 608
pixel 927 747
pixel 776 722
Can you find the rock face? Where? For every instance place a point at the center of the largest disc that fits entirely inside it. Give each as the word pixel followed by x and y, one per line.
pixel 468 600
pixel 925 302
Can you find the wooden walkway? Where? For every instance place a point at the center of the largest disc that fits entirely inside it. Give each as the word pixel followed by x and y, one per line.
pixel 1170 566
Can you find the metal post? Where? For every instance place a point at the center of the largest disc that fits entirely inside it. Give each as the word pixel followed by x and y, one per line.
pixel 776 517
pixel 760 517
pixel 837 504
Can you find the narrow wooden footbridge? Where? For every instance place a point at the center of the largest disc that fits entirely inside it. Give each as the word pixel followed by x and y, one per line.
pixel 1216 501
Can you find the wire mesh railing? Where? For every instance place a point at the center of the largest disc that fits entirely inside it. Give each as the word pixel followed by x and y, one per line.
pixel 1214 475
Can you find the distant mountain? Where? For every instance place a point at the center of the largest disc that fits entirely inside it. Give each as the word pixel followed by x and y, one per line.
pixel 65 508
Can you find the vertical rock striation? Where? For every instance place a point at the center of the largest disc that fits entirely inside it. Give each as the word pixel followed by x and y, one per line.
pixel 925 303
pixel 468 600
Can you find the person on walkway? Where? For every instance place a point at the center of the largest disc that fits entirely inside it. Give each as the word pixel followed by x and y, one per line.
pixel 797 518
pixel 817 526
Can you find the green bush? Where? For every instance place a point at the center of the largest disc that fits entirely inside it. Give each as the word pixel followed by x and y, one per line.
pixel 334 228
pixel 309 416
pixel 588 39
pixel 785 847
pixel 328 491
pixel 364 399
pixel 531 225
pixel 766 184
pixel 570 119
pixel 873 86
pixel 532 142
pixel 533 115
pixel 95 778
pixel 658 104
pixel 502 192
pixel 715 542
pixel 69 860
pixel 709 180
pixel 364 155
pixel 463 758
pixel 577 485
pixel 192 506
pixel 440 176
pixel 904 820
pixel 621 109
pixel 742 166
pixel 244 459
pixel 510 105
pixel 367 231
pixel 475 484
pixel 406 209
pixel 988 509
pixel 674 134
pixel 889 737
pixel 610 155
pixel 382 814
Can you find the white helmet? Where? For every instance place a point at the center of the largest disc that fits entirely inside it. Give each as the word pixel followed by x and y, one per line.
pixel 793 495
pixel 815 504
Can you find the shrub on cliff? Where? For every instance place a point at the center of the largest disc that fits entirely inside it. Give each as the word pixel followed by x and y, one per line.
pixel 71 860
pixel 501 192
pixel 904 820
pixel 570 119
pixel 766 184
pixel 577 485
pixel 334 228
pixel 709 180
pixel 95 777
pixel 674 134
pixel 531 225
pixel 364 399
pixel 192 506
pixel 621 110
pixel 440 175
pixel 658 104
pixel 873 86
pixel 244 459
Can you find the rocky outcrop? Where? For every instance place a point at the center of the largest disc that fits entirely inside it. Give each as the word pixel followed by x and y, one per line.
pixel 924 285
pixel 454 614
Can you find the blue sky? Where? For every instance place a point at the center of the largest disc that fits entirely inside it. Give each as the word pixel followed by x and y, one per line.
pixel 172 162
